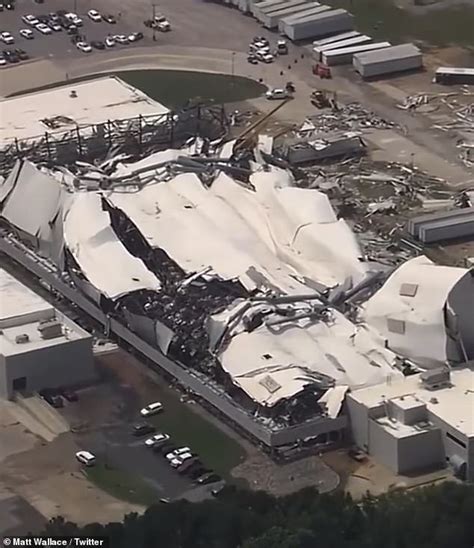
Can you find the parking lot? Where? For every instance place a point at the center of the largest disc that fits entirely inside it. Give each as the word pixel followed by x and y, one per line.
pixel 60 43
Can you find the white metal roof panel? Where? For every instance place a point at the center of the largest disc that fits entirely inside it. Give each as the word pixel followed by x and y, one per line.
pixel 101 255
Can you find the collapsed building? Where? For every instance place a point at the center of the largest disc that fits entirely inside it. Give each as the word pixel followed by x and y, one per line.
pixel 249 290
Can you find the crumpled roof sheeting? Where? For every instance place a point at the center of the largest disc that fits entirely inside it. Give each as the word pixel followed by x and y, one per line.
pixel 33 202
pixel 294 351
pixel 278 234
pixel 100 254
pixel 424 339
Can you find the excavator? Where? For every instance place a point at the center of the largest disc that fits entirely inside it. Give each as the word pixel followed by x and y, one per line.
pixel 322 98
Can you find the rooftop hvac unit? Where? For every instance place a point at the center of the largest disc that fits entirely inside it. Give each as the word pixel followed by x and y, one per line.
pixel 22 339
pixel 436 378
pixel 50 329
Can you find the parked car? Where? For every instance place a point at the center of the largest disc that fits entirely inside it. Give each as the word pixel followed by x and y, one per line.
pixel 97 44
pixel 84 46
pixel 55 26
pixel 162 23
pixel 151 409
pixel 142 429
pixel 156 440
pixel 252 60
pixel 94 15
pixel 178 452
pixel 282 47
pixel 27 33
pixel 277 93
pixel 72 30
pixel 188 464
pixel 178 461
pixel 10 56
pixel 74 18
pixel 69 395
pixel 49 396
pixel 110 42
pixel 10 5
pixel 7 38
pixel 135 36
pixel 22 55
pixel 208 478
pixel 43 28
pixel 121 39
pixel 197 471
pixel 109 19
pixel 30 20
pixel 86 458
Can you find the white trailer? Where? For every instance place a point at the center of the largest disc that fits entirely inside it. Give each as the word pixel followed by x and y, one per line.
pixel 344 56
pixel 270 19
pixel 262 6
pixel 454 75
pixel 291 18
pixel 336 38
pixel 349 43
pixel 321 24
pixel 388 60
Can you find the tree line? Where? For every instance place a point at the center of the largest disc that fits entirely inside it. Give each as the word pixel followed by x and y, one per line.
pixel 440 516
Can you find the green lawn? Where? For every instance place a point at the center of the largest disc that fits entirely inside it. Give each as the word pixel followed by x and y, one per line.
pixel 186 427
pixel 175 88
pixel 383 20
pixel 121 485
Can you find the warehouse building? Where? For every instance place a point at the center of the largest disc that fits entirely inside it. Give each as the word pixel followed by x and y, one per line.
pixel 39 346
pixel 418 422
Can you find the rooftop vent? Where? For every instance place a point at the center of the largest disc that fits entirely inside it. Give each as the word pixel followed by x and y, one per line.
pixel 50 329
pixel 22 339
pixel 434 379
pixel 270 384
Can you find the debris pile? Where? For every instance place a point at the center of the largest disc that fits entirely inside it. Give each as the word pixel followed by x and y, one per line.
pixel 348 117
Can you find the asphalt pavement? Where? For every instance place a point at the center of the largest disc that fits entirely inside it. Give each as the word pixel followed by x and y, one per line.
pixel 59 44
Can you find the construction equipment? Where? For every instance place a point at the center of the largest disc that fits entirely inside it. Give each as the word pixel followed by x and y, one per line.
pixel 322 70
pixel 321 98
pixel 248 138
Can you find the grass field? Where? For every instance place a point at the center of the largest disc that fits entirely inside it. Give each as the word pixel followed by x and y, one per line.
pixel 175 88
pixel 121 485
pixel 383 20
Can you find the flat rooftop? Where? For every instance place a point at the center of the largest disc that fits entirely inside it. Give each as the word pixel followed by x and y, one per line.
pixel 453 404
pixel 19 304
pixel 9 345
pixel 60 110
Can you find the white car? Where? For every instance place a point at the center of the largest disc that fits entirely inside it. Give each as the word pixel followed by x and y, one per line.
pixel 178 461
pixel 162 23
pixel 74 18
pixel 84 46
pixel 109 42
pixel 30 20
pixel 151 409
pixel 267 58
pixel 85 457
pixel 121 39
pixel 94 15
pixel 7 38
pixel 44 29
pixel 2 62
pixel 27 33
pixel 277 93
pixel 55 26
pixel 178 452
pixel 157 439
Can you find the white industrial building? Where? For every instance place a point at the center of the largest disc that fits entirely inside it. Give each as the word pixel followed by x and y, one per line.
pixel 39 346
pixel 418 422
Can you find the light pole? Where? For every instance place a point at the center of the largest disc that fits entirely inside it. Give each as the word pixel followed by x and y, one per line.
pixel 232 68
pixel 154 22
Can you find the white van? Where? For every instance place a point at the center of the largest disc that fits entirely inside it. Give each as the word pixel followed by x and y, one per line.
pixel 84 457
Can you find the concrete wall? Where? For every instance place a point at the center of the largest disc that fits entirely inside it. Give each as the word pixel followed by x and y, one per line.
pixel 383 446
pixel 65 364
pixel 359 422
pixel 421 451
